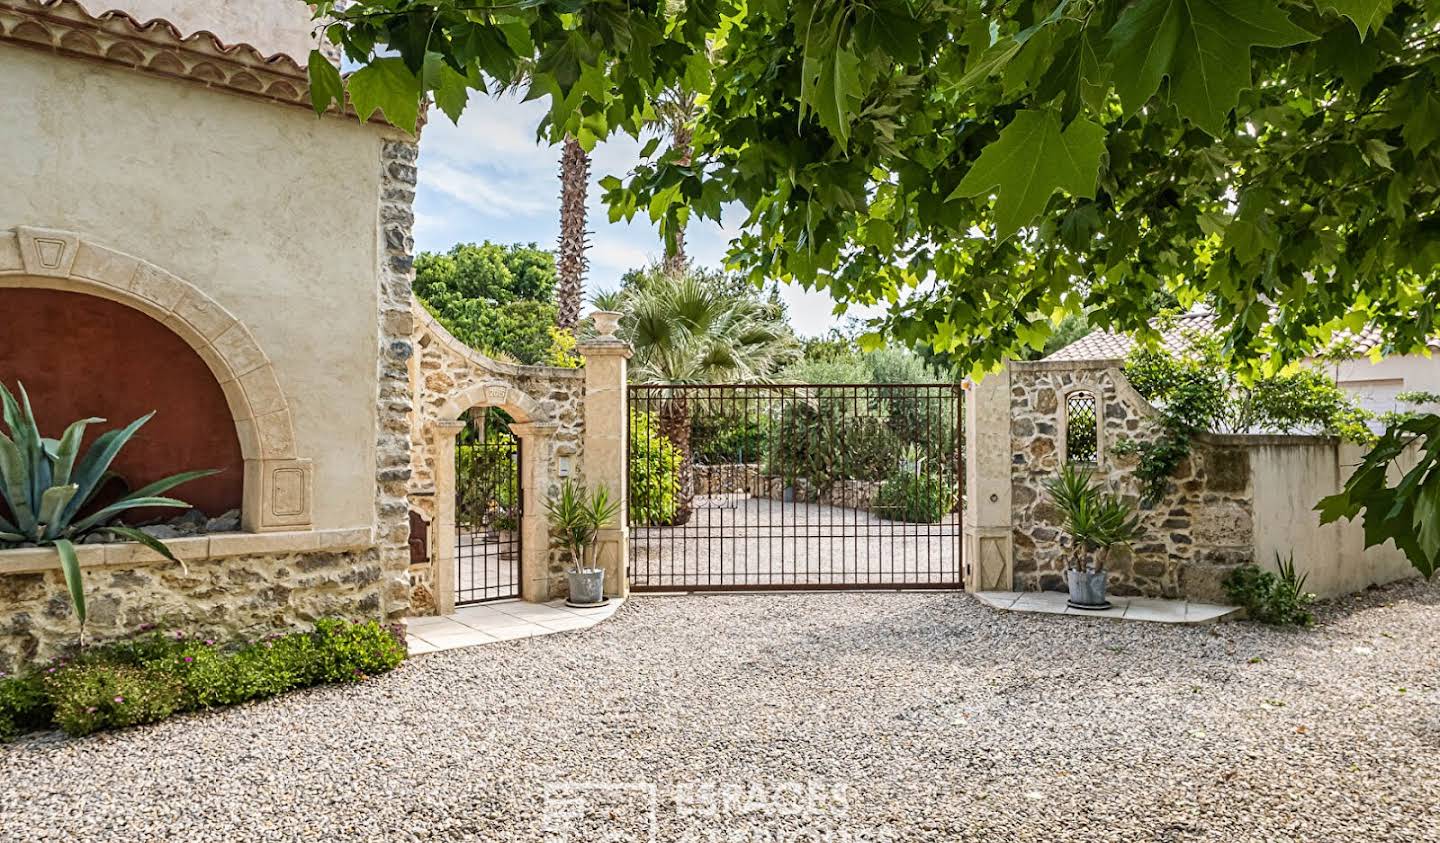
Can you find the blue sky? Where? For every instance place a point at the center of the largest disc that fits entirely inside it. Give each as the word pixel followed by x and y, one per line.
pixel 487 179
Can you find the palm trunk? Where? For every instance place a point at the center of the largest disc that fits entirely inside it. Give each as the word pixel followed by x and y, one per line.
pixel 675 426
pixel 675 257
pixel 571 263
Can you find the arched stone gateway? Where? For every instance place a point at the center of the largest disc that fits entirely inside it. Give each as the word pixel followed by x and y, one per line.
pixel 277 485
pixel 547 404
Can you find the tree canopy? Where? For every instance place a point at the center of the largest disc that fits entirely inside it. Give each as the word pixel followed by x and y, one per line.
pixel 985 167
pixel 498 299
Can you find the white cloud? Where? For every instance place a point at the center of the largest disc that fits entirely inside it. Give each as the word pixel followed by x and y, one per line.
pixel 482 192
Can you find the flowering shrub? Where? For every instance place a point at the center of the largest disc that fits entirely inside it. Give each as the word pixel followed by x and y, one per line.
pixel 149 677
pixel 91 697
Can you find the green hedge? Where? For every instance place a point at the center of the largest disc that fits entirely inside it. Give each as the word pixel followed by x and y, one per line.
pixel 917 498
pixel 148 678
pixel 654 472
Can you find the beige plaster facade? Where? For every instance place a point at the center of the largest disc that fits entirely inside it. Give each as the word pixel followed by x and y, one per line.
pixel 168 174
pixel 186 179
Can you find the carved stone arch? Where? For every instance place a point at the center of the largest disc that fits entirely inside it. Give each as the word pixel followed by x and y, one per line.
pixel 277 482
pixel 493 393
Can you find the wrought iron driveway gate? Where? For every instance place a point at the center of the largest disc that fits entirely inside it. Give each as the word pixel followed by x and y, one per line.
pixel 741 487
pixel 488 504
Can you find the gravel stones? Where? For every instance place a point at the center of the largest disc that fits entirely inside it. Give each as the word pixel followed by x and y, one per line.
pixel 921 716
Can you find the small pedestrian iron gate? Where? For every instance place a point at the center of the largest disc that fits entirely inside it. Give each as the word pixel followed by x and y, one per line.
pixel 741 487
pixel 488 503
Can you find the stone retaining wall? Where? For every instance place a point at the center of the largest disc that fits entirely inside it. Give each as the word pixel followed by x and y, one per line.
pixel 745 478
pixel 222 594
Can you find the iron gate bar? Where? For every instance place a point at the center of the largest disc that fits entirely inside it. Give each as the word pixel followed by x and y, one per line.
pixel 488 507
pixel 810 495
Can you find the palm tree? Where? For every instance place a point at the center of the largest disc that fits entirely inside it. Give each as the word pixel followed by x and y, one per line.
pixel 675 110
pixel 695 328
pixel 571 262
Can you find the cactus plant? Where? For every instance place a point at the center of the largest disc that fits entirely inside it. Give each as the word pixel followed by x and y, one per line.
pixel 47 483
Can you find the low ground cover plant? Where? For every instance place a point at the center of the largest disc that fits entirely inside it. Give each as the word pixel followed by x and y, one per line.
pixel 1271 598
pixel 150 677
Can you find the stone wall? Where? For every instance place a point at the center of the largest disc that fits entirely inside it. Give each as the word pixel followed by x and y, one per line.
pixel 247 594
pixel 745 478
pixel 396 325
pixel 1201 529
pixel 726 479
pixel 448 378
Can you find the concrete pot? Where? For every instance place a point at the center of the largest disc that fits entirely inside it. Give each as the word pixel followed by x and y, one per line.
pixel 587 587
pixel 1087 589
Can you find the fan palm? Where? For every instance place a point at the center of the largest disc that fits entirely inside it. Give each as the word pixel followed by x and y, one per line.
pixel 693 328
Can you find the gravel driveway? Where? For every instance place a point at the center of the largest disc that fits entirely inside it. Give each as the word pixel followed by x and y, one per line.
pixel 919 716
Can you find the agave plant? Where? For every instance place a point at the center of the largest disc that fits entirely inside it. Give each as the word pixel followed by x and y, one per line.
pixel 47 483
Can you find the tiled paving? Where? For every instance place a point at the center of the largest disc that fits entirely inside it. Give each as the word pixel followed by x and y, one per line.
pixel 1124 608
pixel 501 620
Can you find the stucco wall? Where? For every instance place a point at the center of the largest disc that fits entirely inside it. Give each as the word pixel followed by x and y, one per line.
pixel 1289 479
pixel 1374 384
pixel 271 26
pixel 266 208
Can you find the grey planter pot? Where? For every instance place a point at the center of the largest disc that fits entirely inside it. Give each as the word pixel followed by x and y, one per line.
pixel 1087 589
pixel 587 587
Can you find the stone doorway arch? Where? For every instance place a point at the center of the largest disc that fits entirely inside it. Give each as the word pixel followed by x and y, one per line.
pixel 277 484
pixel 535 431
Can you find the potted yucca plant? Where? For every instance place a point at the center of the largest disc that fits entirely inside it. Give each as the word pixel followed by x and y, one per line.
pixel 1096 521
pixel 578 516
pixel 47 486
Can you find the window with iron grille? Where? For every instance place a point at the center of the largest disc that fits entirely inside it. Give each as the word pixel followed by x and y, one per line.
pixel 1082 424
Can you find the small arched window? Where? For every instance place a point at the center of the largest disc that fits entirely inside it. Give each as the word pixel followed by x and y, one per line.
pixel 1082 429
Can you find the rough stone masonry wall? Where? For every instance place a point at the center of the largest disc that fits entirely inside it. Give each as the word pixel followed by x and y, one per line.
pixel 447 369
pixel 1200 530
pixel 396 327
pixel 238 596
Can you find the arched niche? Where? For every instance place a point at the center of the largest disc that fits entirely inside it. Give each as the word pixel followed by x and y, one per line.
pixel 277 485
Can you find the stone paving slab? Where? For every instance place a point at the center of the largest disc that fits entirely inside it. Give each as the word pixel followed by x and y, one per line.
pixel 501 620
pixel 1150 609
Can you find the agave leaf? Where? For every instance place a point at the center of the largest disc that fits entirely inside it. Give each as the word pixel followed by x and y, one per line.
pixel 35 448
pixel 67 448
pixel 16 484
pixel 97 461
pixel 170 482
pixel 10 537
pixel 26 440
pixel 101 516
pixel 51 504
pixel 149 541
pixel 70 565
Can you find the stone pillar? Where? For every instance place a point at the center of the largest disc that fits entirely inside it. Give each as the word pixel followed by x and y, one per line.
pixel 537 445
pixel 605 425
pixel 987 541
pixel 442 440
